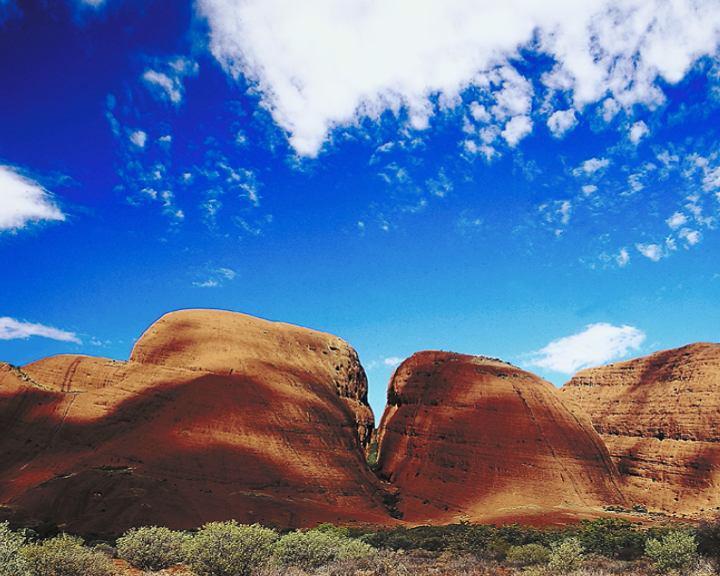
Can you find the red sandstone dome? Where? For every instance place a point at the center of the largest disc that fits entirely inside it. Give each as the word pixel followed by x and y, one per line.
pixel 660 418
pixel 468 437
pixel 216 415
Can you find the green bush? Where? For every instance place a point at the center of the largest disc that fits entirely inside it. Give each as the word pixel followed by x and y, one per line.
pixel 480 541
pixel 613 538
pixel 565 556
pixel 676 550
pixel 152 547
pixel 230 549
pixel 708 538
pixel 314 548
pixel 12 563
pixel 66 556
pixel 527 555
pixel 331 528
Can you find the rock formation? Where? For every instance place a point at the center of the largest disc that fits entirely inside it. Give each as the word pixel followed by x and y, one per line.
pixel 219 415
pixel 216 415
pixel 660 418
pixel 468 437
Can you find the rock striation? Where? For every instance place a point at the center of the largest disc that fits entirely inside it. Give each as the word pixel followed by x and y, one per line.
pixel 660 418
pixel 220 415
pixel 216 415
pixel 473 438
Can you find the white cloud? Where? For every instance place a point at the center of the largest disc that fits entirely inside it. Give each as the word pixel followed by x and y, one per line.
pixel 610 108
pixel 711 179
pixel 654 252
pixel 591 166
pixel 11 329
pixel 516 129
pixel 392 361
pixel 597 344
pixel 23 200
pixel 623 258
pixel 638 131
pixel 168 81
pixel 227 273
pixel 479 112
pixel 691 237
pixel 589 189
pixel 138 138
pixel 676 220
pixel 322 64
pixel 562 121
pixel 557 214
pixel 216 278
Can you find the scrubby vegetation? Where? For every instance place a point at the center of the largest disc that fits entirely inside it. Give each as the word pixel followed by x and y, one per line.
pixel 65 556
pixel 152 547
pixel 230 549
pixel 566 556
pixel 675 551
pixel 527 555
pixel 309 549
pixel 12 562
pixel 605 547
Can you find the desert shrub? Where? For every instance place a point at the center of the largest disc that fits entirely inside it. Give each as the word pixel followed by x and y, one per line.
pixel 105 548
pixel 12 563
pixel 313 548
pixel 331 528
pixel 384 563
pixel 676 550
pixel 151 547
pixel 66 556
pixel 482 541
pixel 708 538
pixel 229 548
pixel 434 538
pixel 703 568
pixel 516 535
pixel 565 556
pixel 613 538
pixel 478 540
pixel 527 555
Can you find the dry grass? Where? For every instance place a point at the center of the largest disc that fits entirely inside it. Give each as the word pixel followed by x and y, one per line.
pixel 418 563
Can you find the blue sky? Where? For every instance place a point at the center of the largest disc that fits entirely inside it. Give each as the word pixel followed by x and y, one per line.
pixel 540 184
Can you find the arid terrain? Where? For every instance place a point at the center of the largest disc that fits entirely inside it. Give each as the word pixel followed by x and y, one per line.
pixel 218 416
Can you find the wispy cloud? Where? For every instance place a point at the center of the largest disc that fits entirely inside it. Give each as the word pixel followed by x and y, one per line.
pixel 384 363
pixel 638 131
pixel 561 122
pixel 315 70
pixel 654 252
pixel 216 278
pixel 166 78
pixel 24 201
pixel 392 361
pixel 11 329
pixel 138 138
pixel 591 165
pixel 595 345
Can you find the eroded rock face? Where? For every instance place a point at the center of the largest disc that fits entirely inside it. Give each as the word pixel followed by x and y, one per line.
pixel 660 418
pixel 467 437
pixel 216 415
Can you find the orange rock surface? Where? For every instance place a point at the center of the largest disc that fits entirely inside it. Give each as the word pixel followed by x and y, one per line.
pixel 660 418
pixel 216 415
pixel 468 437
